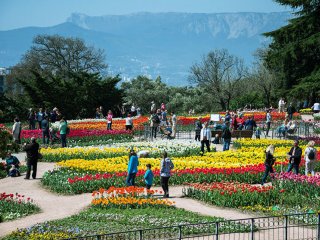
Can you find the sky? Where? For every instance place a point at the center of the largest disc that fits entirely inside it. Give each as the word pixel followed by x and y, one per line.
pixel 43 13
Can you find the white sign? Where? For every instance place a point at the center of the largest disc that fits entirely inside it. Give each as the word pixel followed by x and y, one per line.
pixel 215 117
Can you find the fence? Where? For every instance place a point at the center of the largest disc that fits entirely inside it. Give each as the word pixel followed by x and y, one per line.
pixel 287 227
pixel 303 129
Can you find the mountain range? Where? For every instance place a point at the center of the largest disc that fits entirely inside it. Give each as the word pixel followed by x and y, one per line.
pixel 154 44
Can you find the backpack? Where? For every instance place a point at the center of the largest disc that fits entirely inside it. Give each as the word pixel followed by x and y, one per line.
pixel 155 118
pixel 311 154
pixel 226 133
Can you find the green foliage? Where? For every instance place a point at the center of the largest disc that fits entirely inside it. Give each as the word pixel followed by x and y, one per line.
pixel 294 52
pixel 62 72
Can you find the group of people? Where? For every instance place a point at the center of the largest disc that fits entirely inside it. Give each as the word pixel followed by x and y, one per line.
pixel 12 164
pixel 166 166
pixel 294 159
pixel 45 121
pixel 160 122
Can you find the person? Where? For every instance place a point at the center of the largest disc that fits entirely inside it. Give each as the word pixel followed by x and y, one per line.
pixel 39 117
pixel 98 115
pixel 174 124
pixel 226 135
pixel 153 107
pixel 53 115
pixel 63 132
pixel 250 123
pixel 290 111
pixel 165 173
pixel 270 160
pixel 148 176
pixel 216 139
pixel 205 137
pixel 294 156
pixel 258 133
pixel 32 150
pixel 268 122
pixel 12 165
pixel 234 122
pixel 316 107
pixel 163 107
pixel 227 117
pixel 32 119
pixel 16 130
pixel 101 112
pixel 109 120
pixel 281 105
pixel 154 124
pixel 45 130
pixel 138 111
pixel 310 156
pixel 132 168
pixel 133 110
pixel 129 122
pixel 198 127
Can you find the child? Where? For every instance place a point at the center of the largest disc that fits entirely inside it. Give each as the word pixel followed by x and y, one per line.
pixel 216 139
pixel 148 176
pixel 258 133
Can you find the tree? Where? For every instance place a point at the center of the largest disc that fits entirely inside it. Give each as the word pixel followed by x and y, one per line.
pixel 142 90
pixel 64 73
pixel 294 53
pixel 218 74
pixel 58 55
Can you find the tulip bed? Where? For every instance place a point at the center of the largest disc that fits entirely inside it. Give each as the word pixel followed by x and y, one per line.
pixel 117 150
pixel 90 173
pixel 128 197
pixel 85 137
pixel 13 206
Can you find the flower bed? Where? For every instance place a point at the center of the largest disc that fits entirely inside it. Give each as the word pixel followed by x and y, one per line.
pixel 14 206
pixel 127 197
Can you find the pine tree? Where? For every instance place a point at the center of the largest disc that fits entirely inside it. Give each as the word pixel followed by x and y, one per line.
pixel 294 52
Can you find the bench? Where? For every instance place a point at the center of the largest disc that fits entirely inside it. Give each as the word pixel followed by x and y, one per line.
pixel 235 133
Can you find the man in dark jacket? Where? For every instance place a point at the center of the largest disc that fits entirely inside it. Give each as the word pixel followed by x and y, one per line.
pixel 294 157
pixel 45 130
pixel 32 150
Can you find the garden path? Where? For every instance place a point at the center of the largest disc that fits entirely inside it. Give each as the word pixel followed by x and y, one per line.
pixel 54 206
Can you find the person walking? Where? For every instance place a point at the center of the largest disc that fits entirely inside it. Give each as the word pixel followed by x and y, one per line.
pixel 16 130
pixel 63 132
pixel 294 156
pixel 39 117
pixel 174 124
pixel 226 135
pixel 310 156
pixel 205 137
pixel 290 111
pixel 281 105
pixel 132 168
pixel 269 161
pixel 32 119
pixel 198 127
pixel 32 150
pixel 165 173
pixel 268 122
pixel 45 130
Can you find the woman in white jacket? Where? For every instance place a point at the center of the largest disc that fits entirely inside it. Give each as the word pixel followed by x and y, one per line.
pixel 205 137
pixel 16 130
pixel 310 157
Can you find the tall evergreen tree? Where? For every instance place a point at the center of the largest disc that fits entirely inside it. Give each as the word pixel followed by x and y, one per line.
pixel 294 53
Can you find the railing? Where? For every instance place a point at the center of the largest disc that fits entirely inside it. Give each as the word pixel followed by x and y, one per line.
pixel 303 129
pixel 287 227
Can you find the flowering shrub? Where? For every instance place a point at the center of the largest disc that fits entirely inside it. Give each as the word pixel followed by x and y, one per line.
pixel 127 197
pixel 14 206
pixel 306 111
